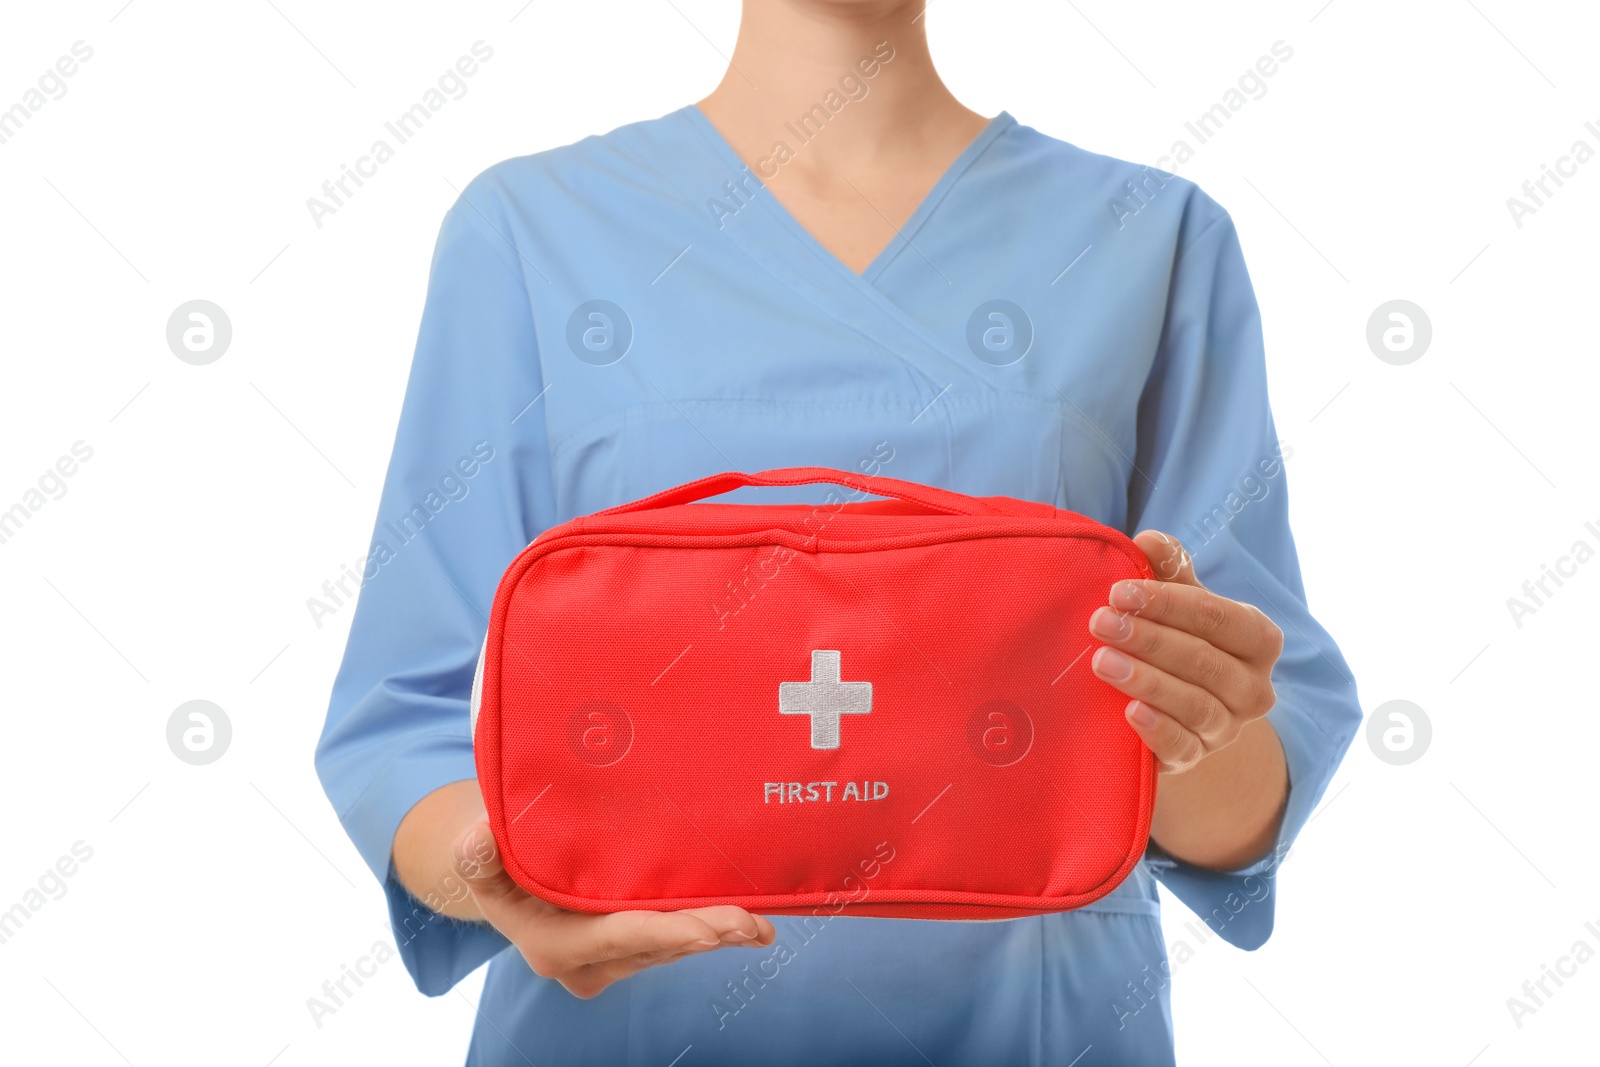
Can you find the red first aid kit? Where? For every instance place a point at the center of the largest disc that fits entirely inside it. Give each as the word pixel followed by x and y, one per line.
pixel 869 707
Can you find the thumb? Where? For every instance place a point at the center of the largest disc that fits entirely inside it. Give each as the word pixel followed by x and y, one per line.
pixel 1167 557
pixel 477 858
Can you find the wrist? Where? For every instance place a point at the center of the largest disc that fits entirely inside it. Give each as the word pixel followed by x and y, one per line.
pixel 1224 813
pixel 424 848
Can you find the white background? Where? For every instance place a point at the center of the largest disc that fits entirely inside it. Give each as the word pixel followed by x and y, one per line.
pixel 218 498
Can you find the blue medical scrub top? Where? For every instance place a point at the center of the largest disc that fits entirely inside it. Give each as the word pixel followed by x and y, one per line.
pixel 617 316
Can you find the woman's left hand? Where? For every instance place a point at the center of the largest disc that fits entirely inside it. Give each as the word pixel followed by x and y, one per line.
pixel 1198 665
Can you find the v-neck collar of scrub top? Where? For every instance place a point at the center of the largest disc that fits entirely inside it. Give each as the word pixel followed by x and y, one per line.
pixel 902 236
pixel 770 234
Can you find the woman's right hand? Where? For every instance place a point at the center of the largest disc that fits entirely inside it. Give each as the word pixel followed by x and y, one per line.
pixel 586 953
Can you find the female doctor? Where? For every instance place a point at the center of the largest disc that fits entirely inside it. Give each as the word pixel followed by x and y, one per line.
pixel 830 261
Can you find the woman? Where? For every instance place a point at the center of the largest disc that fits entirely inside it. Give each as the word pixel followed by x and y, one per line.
pixel 830 261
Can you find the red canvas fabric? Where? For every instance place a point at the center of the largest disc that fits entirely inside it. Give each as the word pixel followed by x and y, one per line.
pixel 646 700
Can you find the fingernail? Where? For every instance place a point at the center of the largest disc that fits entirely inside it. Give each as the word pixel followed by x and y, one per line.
pixel 1110 624
pixel 1113 665
pixel 1129 596
pixel 701 945
pixel 735 937
pixel 1141 714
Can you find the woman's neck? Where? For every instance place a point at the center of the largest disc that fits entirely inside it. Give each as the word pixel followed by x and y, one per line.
pixel 844 85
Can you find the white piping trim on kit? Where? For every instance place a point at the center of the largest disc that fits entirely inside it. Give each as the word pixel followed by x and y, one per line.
pixel 477 690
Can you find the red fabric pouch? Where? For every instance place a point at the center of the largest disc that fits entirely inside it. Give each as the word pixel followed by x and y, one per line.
pixel 872 707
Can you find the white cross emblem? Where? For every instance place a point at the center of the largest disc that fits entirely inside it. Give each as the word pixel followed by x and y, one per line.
pixel 824 698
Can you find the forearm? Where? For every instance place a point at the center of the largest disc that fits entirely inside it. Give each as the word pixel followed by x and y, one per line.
pixel 423 857
pixel 1224 812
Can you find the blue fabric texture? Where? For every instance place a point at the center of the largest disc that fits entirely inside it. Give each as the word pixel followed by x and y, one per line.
pixel 633 311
